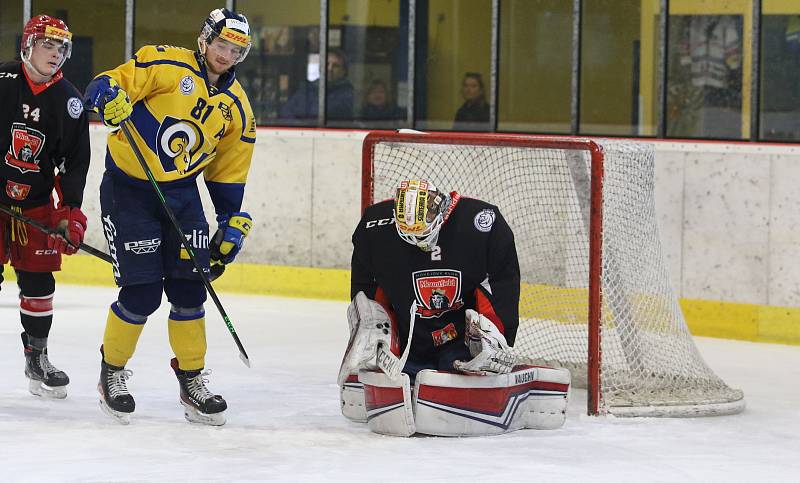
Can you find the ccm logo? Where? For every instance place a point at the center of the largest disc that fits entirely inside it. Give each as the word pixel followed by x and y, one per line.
pixel 381 222
pixel 48 251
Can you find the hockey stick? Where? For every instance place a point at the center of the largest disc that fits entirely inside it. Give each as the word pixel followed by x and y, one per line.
pixel 216 270
pixel 182 238
pixel 29 221
pixel 389 363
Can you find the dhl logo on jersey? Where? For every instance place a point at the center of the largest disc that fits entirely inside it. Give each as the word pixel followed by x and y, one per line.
pixel 57 33
pixel 178 140
pixel 234 37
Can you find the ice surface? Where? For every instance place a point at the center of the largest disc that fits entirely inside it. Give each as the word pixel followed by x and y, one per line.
pixel 284 422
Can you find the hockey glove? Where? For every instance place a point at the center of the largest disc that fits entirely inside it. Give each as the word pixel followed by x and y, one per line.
pixel 70 223
pixel 108 99
pixel 488 347
pixel 228 239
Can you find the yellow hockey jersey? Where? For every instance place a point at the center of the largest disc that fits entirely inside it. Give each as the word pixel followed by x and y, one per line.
pixel 183 126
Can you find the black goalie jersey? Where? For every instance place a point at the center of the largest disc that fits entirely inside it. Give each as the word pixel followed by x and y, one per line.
pixel 473 266
pixel 43 128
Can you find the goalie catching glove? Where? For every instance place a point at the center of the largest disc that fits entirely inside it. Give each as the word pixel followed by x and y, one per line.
pixel 70 223
pixel 108 99
pixel 229 238
pixel 487 346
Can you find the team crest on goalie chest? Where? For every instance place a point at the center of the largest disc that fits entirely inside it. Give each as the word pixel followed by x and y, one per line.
pixel 437 291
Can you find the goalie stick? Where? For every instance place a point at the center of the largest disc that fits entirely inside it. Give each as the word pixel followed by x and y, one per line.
pixel 388 362
pixel 217 269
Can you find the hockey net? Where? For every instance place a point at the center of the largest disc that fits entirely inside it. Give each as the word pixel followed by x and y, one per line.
pixel 595 295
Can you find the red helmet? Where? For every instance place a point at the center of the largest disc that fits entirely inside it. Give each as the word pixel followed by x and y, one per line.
pixel 45 27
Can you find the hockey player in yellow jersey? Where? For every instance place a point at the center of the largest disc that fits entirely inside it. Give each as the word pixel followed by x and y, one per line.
pixel 189 115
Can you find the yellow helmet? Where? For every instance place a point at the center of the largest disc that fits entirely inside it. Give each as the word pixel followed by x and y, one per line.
pixel 419 211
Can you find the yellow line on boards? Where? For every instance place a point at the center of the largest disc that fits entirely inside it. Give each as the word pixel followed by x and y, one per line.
pixel 726 320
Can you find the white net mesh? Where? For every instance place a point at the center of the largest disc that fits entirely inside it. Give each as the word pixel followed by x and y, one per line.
pixel 649 365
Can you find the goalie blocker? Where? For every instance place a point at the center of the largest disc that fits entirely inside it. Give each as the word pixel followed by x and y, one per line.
pixel 439 403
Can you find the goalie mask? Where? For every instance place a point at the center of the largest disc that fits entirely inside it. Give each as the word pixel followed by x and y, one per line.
pixel 49 28
pixel 229 26
pixel 419 212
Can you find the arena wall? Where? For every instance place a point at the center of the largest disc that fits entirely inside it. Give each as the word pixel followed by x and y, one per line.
pixel 729 215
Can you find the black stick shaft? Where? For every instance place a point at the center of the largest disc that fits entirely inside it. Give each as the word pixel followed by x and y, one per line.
pixel 29 221
pixel 182 238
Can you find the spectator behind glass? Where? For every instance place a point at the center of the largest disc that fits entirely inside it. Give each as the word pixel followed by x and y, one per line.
pixel 304 103
pixel 474 113
pixel 378 105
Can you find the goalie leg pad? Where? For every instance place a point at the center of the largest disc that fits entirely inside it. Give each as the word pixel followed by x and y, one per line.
pixel 448 404
pixel 547 407
pixel 388 403
pixel 351 395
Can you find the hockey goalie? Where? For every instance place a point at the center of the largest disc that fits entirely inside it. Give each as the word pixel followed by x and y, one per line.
pixel 435 287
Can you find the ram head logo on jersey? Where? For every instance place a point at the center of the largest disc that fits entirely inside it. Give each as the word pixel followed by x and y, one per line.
pixel 178 142
pixel 26 144
pixel 437 291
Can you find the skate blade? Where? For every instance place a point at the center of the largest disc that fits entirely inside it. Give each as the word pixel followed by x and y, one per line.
pixel 121 418
pixel 38 388
pixel 194 416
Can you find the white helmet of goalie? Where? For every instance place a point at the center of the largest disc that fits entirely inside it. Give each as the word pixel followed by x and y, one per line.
pixel 419 212
pixel 228 26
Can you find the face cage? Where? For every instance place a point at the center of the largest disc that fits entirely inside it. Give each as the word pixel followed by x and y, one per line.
pixel 26 50
pixel 428 238
pixel 208 34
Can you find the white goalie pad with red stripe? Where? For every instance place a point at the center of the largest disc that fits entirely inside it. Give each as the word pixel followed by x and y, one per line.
pixel 388 403
pixel 447 404
pixel 351 396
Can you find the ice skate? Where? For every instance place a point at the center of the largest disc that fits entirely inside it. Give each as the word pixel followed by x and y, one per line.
pixel 44 379
pixel 199 404
pixel 115 400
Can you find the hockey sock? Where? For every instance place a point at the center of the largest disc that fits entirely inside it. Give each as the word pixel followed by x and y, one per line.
pixel 123 329
pixel 36 315
pixel 36 302
pixel 187 336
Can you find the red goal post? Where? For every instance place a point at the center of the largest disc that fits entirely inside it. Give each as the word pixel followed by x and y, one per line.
pixel 596 296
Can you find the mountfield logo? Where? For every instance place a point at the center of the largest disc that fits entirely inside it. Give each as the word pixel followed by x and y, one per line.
pixel 23 151
pixel 437 291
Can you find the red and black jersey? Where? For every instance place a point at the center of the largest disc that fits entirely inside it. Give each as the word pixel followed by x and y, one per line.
pixel 44 132
pixel 473 266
